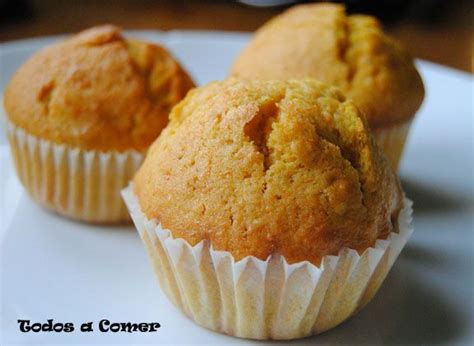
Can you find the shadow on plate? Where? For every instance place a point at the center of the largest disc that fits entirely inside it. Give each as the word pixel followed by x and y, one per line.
pixel 428 198
pixel 114 227
pixel 429 259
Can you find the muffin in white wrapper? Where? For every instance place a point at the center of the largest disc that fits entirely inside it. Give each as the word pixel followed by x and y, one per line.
pixel 375 70
pixel 83 112
pixel 81 184
pixel 392 140
pixel 271 299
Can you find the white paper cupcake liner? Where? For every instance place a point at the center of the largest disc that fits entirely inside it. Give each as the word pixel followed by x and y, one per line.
pixel 392 141
pixel 271 299
pixel 81 184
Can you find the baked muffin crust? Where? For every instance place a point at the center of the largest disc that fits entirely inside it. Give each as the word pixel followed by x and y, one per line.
pixel 97 91
pixel 262 167
pixel 352 52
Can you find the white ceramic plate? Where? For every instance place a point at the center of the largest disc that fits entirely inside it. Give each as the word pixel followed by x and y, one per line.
pixel 53 268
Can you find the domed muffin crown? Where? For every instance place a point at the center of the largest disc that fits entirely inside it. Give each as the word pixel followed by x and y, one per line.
pixel 262 167
pixel 97 90
pixel 352 52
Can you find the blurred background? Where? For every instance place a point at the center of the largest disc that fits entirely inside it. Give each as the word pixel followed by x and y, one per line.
pixel 437 30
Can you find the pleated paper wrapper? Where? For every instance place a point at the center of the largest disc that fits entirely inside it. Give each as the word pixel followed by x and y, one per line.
pixel 392 141
pixel 81 184
pixel 271 299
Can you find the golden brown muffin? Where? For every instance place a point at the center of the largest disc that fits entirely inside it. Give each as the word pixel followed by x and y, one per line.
pixel 97 91
pixel 352 52
pixel 81 113
pixel 264 167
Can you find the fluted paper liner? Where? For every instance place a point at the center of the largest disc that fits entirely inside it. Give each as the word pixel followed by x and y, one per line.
pixel 270 299
pixel 392 141
pixel 82 184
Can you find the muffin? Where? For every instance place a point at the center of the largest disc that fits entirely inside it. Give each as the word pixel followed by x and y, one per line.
pixel 351 52
pixel 81 114
pixel 266 208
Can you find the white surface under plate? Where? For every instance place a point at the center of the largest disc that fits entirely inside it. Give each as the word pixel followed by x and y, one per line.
pixel 53 268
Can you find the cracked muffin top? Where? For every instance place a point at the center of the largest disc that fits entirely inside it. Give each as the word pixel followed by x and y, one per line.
pixel 352 52
pixel 262 167
pixel 97 91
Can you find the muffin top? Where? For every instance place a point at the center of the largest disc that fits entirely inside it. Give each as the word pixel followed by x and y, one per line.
pixel 97 91
pixel 262 167
pixel 352 52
